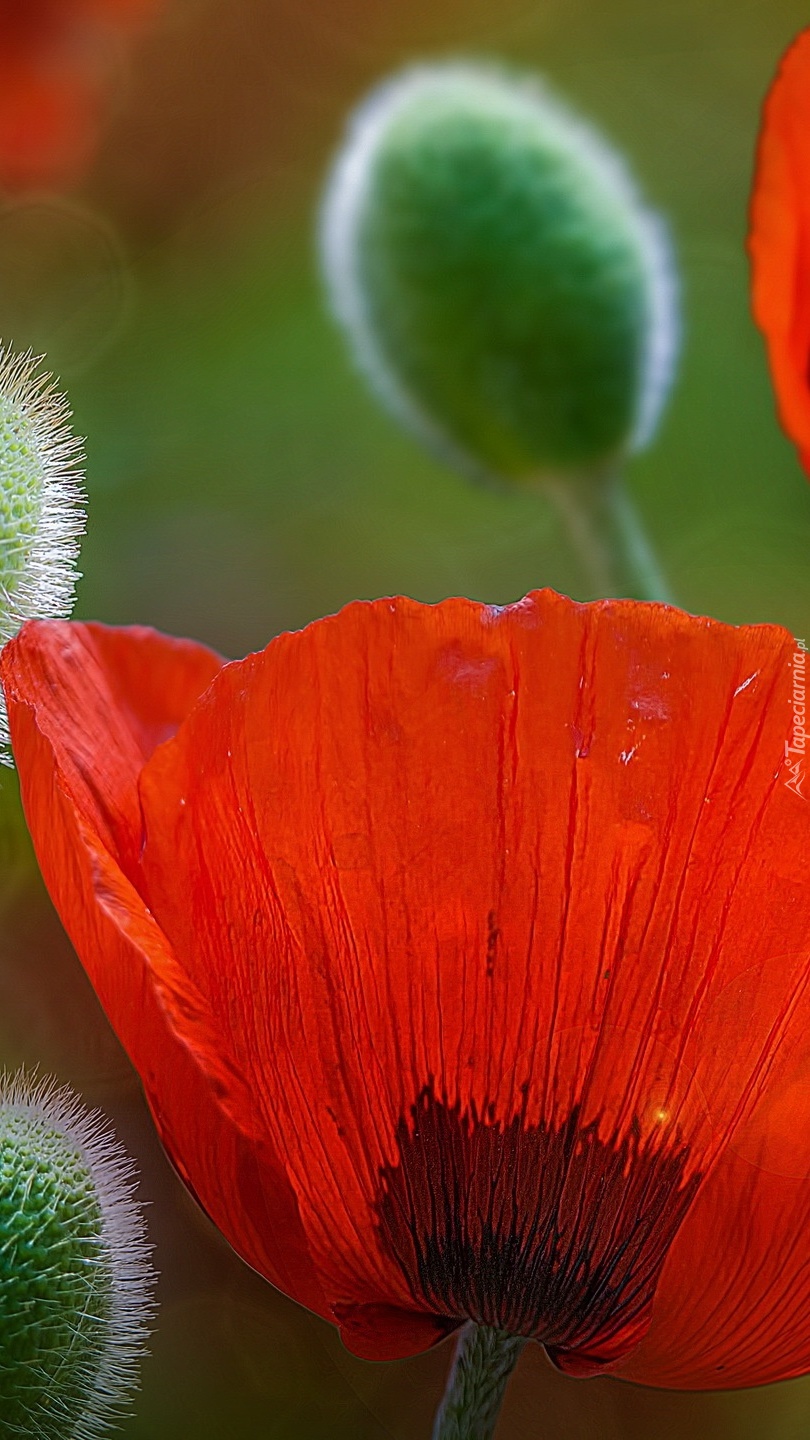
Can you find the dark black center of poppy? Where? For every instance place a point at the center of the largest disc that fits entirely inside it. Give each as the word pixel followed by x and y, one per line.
pixel 550 1233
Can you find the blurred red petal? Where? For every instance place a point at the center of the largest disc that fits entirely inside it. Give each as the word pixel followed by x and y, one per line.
pixel 47 129
pixel 779 240
pixel 54 57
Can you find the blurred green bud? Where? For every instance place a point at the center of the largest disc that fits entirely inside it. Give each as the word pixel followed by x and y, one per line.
pixel 41 502
pixel 75 1276
pixel 504 287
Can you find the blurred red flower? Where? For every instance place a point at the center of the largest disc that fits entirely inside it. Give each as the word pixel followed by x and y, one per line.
pixel 55 61
pixel 779 240
pixel 464 954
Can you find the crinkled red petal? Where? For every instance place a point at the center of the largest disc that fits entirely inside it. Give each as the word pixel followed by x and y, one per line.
pixel 494 928
pixel 88 705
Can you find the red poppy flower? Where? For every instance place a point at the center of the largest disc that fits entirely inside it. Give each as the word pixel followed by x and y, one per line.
pixel 779 240
pixel 54 58
pixel 464 954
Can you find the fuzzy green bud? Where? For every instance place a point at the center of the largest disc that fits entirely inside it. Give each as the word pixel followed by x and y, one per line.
pixel 75 1275
pixel 41 502
pixel 505 289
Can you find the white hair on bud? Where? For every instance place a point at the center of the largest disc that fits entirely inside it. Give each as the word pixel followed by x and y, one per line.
pixel 663 326
pixel 124 1250
pixel 344 204
pixel 37 566
pixel 341 213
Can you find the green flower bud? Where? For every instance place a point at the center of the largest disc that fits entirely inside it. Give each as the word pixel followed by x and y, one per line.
pixel 75 1275
pixel 505 289
pixel 41 503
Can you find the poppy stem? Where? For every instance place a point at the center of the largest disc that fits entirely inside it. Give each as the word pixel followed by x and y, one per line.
pixel 605 529
pixel 485 1358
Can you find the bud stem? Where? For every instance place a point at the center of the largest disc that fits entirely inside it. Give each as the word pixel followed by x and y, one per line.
pixel 606 531
pixel 485 1358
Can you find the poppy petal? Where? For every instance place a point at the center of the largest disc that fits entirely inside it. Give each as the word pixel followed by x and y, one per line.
pixel 105 699
pixel 733 1303
pixel 779 240
pixel 463 891
pixel 89 705
pixel 382 1332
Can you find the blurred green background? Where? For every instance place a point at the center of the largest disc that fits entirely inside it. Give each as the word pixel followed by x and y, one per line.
pixel 242 482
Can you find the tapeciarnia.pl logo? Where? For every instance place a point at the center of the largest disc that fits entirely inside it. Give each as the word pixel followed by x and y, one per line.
pixel 795 750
